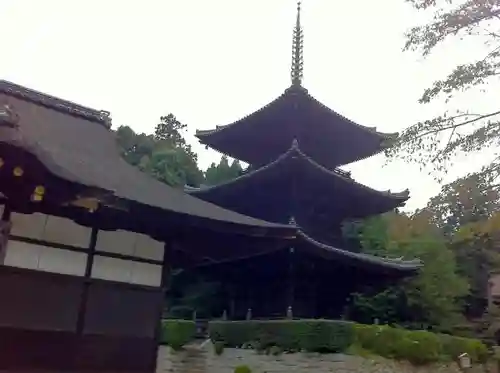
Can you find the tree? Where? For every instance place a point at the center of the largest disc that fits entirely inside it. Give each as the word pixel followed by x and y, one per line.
pixel 165 155
pixel 430 299
pixel 465 211
pixel 133 146
pixel 222 172
pixel 466 200
pixel 437 140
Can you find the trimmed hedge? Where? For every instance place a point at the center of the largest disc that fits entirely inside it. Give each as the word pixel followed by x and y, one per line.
pixel 291 335
pixel 418 347
pixel 176 333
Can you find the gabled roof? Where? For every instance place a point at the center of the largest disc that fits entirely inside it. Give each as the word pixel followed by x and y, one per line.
pixel 328 137
pixel 75 144
pixel 235 194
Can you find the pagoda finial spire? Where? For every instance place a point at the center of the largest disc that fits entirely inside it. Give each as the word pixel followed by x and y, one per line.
pixel 297 50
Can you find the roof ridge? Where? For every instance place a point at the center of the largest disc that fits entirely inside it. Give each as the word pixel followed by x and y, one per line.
pixel 100 116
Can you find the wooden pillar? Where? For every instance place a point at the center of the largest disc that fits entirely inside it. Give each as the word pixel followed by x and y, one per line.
pixel 80 323
pixel 291 280
pixel 164 285
pixel 250 287
pixel 5 226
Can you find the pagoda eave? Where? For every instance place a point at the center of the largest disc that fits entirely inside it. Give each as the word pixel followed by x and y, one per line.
pixel 294 183
pixel 370 262
pixel 261 136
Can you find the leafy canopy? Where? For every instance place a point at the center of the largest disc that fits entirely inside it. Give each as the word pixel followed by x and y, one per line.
pixel 437 140
pixel 432 298
pixel 165 155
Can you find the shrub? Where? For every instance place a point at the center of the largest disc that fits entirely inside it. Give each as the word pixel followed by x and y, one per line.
pixel 242 369
pixel 176 333
pixel 218 348
pixel 418 347
pixel 289 335
pixel 454 346
pixel 275 350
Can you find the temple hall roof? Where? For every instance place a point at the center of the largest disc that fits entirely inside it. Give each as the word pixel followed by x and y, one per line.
pixel 75 144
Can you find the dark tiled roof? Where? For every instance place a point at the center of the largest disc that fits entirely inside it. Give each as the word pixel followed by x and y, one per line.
pixel 293 96
pixel 295 151
pixel 75 144
pixel 299 90
pixel 333 253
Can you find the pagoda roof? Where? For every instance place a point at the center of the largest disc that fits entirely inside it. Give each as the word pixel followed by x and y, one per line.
pixel 357 259
pixel 295 181
pixel 76 144
pixel 306 244
pixel 325 135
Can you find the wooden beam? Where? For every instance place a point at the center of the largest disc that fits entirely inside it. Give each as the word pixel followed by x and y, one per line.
pixel 80 323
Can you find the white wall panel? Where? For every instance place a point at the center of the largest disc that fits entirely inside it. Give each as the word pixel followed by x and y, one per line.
pixel 43 258
pixel 22 255
pixel 148 248
pixel 66 232
pixel 120 242
pixel 28 225
pixel 146 274
pixel 112 269
pixel 62 261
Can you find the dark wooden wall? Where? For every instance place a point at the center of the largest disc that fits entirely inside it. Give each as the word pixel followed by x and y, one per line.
pixel 40 314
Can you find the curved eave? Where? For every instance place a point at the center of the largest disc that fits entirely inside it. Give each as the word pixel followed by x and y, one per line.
pixel 207 137
pixel 295 152
pixel 292 90
pixel 333 253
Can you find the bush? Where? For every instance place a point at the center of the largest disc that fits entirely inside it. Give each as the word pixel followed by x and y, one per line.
pixel 176 333
pixel 418 347
pixel 454 346
pixel 242 369
pixel 218 348
pixel 288 335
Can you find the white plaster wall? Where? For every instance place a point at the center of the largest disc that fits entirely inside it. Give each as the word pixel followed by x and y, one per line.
pixel 51 229
pixel 64 231
pixel 43 258
pixel 126 271
pixel 130 243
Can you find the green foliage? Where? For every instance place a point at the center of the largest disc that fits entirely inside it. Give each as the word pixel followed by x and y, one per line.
pixel 418 347
pixel 275 350
pixel 288 335
pixel 164 155
pixel 222 172
pixel 437 140
pixel 242 369
pixel 430 299
pixel 176 333
pixel 134 146
pixel 465 211
pixel 218 348
pixel 189 293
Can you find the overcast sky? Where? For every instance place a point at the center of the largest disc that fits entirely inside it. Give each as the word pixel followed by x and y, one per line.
pixel 212 62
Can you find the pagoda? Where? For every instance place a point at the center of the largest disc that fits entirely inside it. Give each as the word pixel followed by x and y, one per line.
pixel 294 147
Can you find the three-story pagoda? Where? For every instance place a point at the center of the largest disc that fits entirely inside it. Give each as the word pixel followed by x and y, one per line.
pixel 294 147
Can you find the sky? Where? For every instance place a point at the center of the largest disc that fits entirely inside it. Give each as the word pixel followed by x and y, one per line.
pixel 213 62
